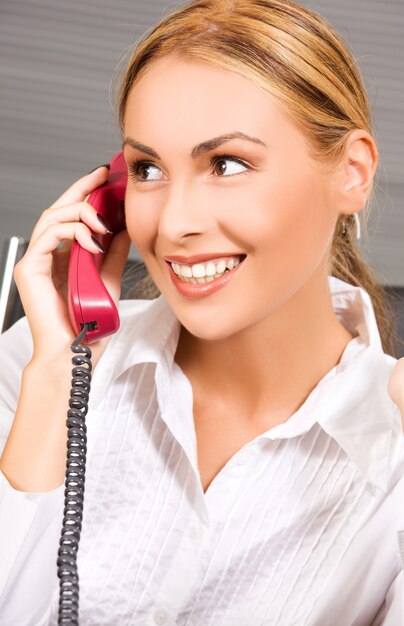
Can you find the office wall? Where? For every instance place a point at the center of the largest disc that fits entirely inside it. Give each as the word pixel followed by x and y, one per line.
pixel 57 63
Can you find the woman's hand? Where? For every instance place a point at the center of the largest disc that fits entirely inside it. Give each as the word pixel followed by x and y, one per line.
pixel 41 275
pixel 396 386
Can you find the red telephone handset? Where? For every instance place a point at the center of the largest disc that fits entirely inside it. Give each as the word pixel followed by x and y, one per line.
pixel 88 299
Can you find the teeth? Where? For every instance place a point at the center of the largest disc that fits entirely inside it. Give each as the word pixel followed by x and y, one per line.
pixel 210 269
pixel 221 266
pixel 200 272
pixel 186 271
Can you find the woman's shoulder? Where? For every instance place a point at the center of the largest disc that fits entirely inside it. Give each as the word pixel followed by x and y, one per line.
pixel 391 363
pixel 16 347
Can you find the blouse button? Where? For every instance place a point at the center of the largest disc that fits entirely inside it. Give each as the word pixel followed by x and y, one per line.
pixel 161 616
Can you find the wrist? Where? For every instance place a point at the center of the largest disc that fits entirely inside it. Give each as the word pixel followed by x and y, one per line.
pixel 52 367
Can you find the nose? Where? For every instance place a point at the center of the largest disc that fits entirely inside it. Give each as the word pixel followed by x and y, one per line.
pixel 184 214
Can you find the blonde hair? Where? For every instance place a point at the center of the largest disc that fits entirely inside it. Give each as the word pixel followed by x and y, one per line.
pixel 293 53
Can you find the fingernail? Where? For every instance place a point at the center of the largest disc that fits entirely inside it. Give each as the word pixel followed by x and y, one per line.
pixel 101 220
pixel 107 165
pixel 97 243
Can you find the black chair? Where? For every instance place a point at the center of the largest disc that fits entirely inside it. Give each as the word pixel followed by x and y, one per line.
pixel 10 304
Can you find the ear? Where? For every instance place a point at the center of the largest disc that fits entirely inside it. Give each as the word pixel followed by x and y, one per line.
pixel 356 170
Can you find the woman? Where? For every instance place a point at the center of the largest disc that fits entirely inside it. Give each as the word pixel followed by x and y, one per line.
pixel 246 459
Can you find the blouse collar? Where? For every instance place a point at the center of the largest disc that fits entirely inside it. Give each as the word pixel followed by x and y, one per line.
pixel 351 402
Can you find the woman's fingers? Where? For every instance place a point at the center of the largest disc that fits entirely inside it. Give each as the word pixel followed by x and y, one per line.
pixel 73 201
pixel 42 285
pixel 77 212
pixel 41 275
pixel 38 258
pixel 82 187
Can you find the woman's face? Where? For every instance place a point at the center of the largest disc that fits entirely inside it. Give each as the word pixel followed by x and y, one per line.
pixel 266 199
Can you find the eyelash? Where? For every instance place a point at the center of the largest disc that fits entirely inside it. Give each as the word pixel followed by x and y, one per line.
pixel 135 166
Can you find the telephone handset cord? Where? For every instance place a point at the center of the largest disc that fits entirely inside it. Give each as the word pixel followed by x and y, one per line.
pixel 74 482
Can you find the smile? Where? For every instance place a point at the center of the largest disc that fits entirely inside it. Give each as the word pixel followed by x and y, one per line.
pixel 203 279
pixel 205 272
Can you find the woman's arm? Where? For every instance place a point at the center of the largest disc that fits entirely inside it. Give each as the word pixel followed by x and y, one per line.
pixel 30 522
pixel 35 380
pixel 391 613
pixel 396 386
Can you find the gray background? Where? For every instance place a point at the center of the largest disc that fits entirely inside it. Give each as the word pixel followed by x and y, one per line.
pixel 58 60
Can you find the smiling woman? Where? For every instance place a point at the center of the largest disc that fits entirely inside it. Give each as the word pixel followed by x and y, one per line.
pixel 323 94
pixel 246 461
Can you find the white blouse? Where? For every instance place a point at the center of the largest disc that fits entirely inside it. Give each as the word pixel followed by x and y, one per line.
pixel 303 526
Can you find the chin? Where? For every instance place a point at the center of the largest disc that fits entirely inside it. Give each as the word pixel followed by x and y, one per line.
pixel 208 331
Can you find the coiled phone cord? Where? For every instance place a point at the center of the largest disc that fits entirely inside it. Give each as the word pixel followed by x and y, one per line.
pixel 74 482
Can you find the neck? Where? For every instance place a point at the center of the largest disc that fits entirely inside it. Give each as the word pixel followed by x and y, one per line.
pixel 263 373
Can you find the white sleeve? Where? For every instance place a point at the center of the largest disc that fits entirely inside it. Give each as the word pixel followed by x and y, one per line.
pixel 30 523
pixel 15 353
pixel 391 613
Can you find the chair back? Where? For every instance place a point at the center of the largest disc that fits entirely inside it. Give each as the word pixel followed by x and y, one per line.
pixel 10 304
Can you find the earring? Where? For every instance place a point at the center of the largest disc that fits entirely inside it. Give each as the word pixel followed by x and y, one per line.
pixel 358 226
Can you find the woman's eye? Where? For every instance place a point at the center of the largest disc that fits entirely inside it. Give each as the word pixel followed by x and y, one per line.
pixel 224 169
pixel 140 170
pixel 137 169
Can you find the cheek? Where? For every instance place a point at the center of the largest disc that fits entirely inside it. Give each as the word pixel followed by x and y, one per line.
pixel 278 220
pixel 307 225
pixel 141 220
pixel 288 229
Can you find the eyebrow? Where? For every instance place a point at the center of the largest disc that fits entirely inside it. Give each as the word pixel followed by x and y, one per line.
pixel 200 148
